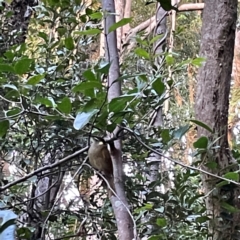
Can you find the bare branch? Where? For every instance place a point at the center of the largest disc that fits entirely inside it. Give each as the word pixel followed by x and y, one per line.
pixel 39 170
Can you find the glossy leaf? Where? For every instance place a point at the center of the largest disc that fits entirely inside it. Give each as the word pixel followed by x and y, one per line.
pixel 83 118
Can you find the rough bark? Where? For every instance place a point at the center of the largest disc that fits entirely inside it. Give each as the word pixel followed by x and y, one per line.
pixel 211 106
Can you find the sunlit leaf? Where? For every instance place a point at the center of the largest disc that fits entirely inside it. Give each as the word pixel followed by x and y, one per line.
pixel 142 53
pixel 10 86
pixel 83 118
pixel 169 60
pixel 198 61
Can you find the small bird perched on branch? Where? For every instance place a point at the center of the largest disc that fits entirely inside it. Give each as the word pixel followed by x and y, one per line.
pixel 100 159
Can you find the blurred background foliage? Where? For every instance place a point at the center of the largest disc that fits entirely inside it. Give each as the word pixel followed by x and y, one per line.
pixel 51 88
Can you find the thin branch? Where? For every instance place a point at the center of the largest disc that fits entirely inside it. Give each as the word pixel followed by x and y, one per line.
pixel 39 170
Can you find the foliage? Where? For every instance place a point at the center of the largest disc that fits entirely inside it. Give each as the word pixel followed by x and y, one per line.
pixel 53 92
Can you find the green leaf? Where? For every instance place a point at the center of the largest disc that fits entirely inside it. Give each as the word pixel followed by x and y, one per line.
pixel 89 75
pixel 201 124
pixel 4 126
pixel 180 132
pixel 45 101
pixel 35 79
pixel 119 24
pixel 211 164
pixel 69 43
pixel 103 67
pixel 203 219
pixel 142 53
pixel 146 207
pixel 118 104
pixel 170 60
pixel 198 61
pixel 83 118
pixel 222 183
pixel 6 68
pixel 232 176
pixel 87 85
pixel 165 134
pixel 22 66
pixel 202 142
pixel 90 105
pixel 61 31
pixel 158 86
pixel 65 105
pixel 93 31
pixel 166 5
pixel 161 222
pixel 44 36
pixel 12 95
pixel 229 207
pixel 96 15
pixel 14 111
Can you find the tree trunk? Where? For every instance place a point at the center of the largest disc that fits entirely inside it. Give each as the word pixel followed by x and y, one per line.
pixel 119 203
pixel 211 106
